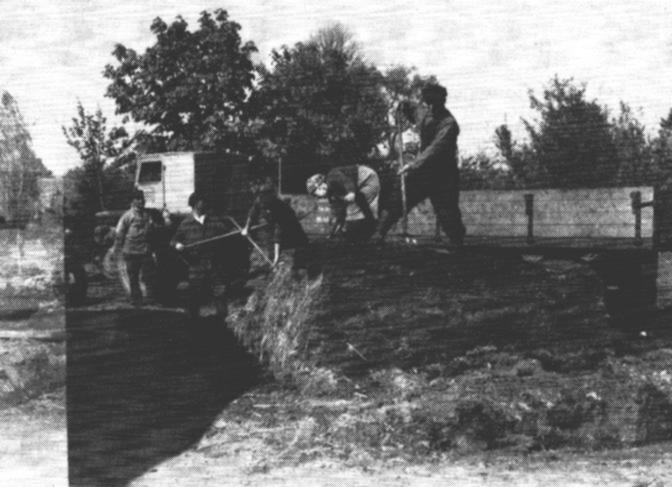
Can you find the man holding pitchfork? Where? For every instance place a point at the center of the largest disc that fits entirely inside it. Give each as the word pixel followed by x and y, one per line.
pixel 434 173
pixel 197 241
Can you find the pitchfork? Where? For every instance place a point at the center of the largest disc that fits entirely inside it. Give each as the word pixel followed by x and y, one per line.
pixel 238 231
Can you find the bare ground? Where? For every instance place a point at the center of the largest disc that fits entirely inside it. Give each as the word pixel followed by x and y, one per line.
pixel 33 442
pixel 154 400
pixel 33 434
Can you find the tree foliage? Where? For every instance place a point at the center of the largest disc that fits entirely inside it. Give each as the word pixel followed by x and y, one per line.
pixel 572 140
pixel 662 149
pixel 19 167
pixel 524 168
pixel 319 105
pixel 636 164
pixel 574 143
pixel 402 87
pixel 190 87
pixel 104 180
pixel 480 171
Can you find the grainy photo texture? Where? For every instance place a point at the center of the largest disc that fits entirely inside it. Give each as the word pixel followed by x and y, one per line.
pixel 342 244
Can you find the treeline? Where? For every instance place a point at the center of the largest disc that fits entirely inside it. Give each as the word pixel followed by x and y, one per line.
pixel 19 166
pixel 574 143
pixel 318 104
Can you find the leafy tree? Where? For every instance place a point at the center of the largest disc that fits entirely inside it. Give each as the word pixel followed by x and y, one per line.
pixel 319 105
pixel 479 171
pixel 403 84
pixel 572 140
pixel 402 87
pixel 100 151
pixel 189 88
pixel 662 148
pixel 104 180
pixel 575 144
pixel 523 166
pixel 636 162
pixel 19 167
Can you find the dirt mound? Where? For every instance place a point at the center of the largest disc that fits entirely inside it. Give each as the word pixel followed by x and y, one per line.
pixel 424 352
pixel 399 306
pixel 412 351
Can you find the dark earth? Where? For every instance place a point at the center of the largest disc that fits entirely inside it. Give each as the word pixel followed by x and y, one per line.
pixel 156 400
pixel 412 367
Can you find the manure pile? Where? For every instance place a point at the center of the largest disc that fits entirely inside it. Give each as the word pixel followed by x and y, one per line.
pixel 422 352
pixel 373 307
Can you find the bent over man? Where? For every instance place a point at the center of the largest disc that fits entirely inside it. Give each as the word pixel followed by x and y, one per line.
pixel 353 193
pixel 434 173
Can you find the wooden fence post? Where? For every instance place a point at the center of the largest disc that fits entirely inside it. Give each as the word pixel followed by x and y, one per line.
pixel 529 211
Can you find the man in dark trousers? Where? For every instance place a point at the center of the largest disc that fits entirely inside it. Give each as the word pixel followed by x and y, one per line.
pixel 353 193
pixel 433 173
pixel 280 229
pixel 132 237
pixel 206 261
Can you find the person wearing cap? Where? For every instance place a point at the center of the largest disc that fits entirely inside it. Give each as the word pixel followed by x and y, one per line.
pixel 132 237
pixel 353 193
pixel 434 173
pixel 207 261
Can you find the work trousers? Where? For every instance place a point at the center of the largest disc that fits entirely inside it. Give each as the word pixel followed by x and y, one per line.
pixel 359 230
pixel 135 263
pixel 441 189
pixel 206 284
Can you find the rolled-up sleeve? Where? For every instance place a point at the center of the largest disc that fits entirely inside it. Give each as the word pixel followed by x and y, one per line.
pixel 444 141
pixel 121 230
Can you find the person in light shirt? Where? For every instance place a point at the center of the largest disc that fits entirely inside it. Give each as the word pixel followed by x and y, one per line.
pixel 132 238
pixel 353 193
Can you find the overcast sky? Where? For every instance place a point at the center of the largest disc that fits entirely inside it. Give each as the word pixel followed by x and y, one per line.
pixel 487 53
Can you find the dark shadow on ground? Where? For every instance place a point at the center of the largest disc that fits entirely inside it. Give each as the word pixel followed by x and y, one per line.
pixel 142 386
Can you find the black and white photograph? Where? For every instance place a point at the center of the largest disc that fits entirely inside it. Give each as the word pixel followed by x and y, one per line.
pixel 338 243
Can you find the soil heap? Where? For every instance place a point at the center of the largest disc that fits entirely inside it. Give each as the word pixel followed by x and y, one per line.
pixel 373 307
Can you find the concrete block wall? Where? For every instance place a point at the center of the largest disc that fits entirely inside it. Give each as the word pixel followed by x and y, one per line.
pixel 586 213
pixel 315 214
pixel 602 212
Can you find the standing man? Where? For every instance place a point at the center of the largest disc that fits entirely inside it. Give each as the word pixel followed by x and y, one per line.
pixel 132 237
pixel 434 172
pixel 353 193
pixel 206 261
